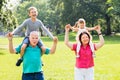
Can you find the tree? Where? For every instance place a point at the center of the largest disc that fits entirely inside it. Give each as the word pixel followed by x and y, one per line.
pixel 7 18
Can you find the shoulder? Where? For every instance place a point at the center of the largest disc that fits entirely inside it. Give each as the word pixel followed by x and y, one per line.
pixel 38 20
pixel 27 20
pixel 74 46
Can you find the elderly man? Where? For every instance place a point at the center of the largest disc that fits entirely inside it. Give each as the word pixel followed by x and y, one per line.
pixel 32 64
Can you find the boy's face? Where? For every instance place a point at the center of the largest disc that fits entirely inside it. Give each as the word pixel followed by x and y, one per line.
pixel 33 13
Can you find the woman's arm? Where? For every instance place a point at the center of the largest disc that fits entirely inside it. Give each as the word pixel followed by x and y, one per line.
pixel 101 39
pixel 67 28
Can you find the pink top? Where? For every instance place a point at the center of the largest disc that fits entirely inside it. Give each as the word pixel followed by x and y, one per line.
pixel 86 59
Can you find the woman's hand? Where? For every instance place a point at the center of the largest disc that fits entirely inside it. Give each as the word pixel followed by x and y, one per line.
pixel 67 27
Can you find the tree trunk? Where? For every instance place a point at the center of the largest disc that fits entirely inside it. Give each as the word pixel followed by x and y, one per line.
pixel 107 17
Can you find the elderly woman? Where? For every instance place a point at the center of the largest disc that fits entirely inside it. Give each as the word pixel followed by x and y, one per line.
pixel 84 67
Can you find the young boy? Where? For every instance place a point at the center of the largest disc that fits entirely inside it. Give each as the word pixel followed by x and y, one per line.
pixel 79 27
pixel 31 24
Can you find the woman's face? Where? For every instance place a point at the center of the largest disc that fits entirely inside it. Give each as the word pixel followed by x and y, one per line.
pixel 85 39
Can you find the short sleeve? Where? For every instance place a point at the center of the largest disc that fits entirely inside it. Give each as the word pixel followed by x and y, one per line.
pixel 18 49
pixel 94 47
pixel 74 47
pixel 47 51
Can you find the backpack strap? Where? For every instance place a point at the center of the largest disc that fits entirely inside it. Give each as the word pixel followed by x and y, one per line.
pixel 78 49
pixel 92 48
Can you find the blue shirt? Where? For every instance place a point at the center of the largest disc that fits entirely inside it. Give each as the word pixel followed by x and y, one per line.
pixel 32 59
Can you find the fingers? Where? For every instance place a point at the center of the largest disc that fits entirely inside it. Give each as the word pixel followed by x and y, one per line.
pixel 55 39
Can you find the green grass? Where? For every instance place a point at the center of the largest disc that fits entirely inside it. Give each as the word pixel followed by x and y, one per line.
pixel 60 66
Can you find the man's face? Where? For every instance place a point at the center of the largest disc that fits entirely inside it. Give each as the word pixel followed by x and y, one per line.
pixel 33 39
pixel 33 13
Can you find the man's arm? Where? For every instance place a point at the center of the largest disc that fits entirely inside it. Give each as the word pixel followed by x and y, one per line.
pixel 11 49
pixel 53 48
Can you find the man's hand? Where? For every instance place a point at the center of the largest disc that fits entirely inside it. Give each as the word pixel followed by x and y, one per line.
pixel 55 39
pixel 9 36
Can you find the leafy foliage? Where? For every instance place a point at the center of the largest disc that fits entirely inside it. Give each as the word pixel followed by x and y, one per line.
pixel 7 19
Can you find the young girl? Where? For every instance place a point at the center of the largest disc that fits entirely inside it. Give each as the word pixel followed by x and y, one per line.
pixel 79 27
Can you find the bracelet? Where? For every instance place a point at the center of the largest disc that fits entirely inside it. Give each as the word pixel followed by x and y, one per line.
pixel 100 34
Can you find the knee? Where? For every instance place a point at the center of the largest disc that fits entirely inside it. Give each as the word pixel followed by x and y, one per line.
pixel 23 46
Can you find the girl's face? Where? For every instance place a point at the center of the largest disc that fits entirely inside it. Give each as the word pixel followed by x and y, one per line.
pixel 81 25
pixel 33 39
pixel 85 39
pixel 33 13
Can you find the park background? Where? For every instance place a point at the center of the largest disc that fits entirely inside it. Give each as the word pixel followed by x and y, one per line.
pixel 55 14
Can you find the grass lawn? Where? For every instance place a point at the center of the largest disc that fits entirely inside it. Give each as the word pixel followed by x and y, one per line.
pixel 60 66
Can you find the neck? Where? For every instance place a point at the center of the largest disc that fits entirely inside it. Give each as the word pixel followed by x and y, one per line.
pixel 84 45
pixel 33 19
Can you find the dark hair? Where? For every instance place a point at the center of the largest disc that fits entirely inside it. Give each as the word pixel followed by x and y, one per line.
pixel 81 36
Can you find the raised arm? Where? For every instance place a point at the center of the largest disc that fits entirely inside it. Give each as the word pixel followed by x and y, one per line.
pixel 11 49
pixel 101 39
pixel 67 28
pixel 53 48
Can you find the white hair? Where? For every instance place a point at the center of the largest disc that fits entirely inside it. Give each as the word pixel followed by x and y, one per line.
pixel 34 32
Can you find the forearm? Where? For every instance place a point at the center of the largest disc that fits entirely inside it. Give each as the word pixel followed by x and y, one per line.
pixel 66 37
pixel 11 49
pixel 17 30
pixel 67 40
pixel 101 41
pixel 53 48
pixel 47 32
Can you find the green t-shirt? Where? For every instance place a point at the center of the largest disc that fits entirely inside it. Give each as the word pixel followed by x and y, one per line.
pixel 32 59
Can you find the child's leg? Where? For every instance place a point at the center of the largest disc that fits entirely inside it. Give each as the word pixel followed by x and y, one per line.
pixel 25 43
pixel 22 50
pixel 40 43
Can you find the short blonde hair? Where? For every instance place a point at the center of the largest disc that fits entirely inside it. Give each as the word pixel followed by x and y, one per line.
pixel 31 8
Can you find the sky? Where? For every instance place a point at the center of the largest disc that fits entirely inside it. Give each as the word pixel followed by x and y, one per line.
pixel 12 4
